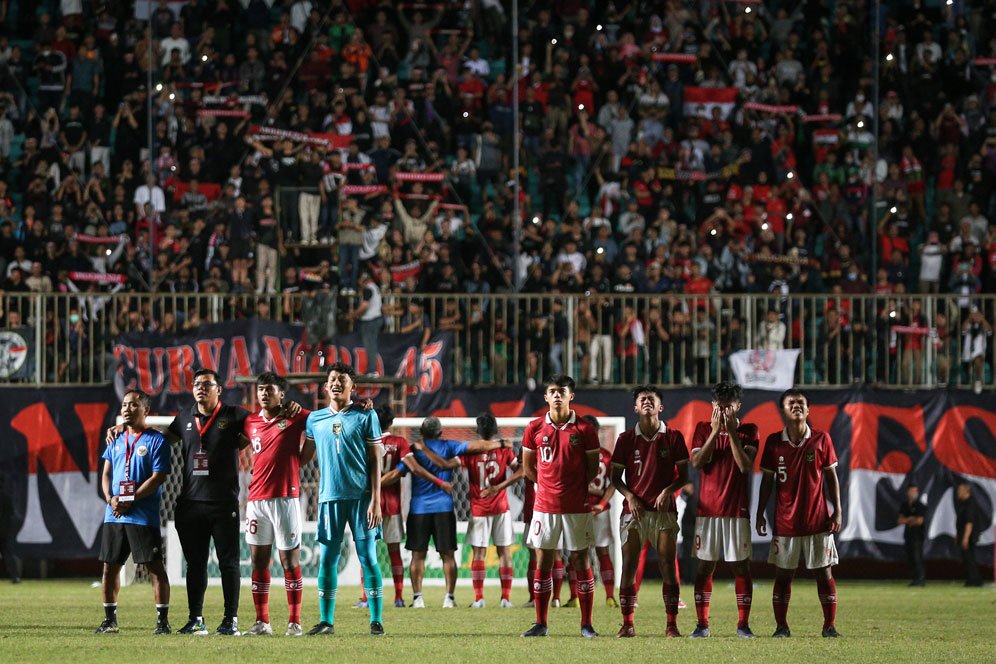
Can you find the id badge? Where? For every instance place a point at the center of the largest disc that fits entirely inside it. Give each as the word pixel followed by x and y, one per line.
pixel 200 464
pixel 126 492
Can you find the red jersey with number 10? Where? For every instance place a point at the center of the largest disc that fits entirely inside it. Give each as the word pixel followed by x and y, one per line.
pixel 650 463
pixel 800 508
pixel 485 470
pixel 396 448
pixel 561 459
pixel 603 479
pixel 723 490
pixel 276 455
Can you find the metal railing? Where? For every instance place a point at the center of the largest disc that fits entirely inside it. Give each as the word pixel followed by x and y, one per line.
pixel 908 341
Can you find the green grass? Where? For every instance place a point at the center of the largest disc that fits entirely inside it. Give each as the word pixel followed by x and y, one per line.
pixel 53 621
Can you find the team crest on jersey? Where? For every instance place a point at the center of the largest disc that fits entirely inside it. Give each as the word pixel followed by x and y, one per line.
pixel 664 452
pixel 810 455
pixel 337 428
pixel 189 426
pixel 142 450
pixel 222 423
pixel 282 424
pixel 574 439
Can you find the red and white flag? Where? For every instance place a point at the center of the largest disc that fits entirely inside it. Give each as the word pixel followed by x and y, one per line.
pixel 701 101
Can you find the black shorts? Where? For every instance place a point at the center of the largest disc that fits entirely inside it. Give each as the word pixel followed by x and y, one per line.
pixel 143 543
pixel 441 526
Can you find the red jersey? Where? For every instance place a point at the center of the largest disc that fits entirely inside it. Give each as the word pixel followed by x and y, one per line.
pixel 800 508
pixel 603 480
pixel 276 455
pixel 650 463
pixel 485 470
pixel 561 458
pixel 723 489
pixel 396 448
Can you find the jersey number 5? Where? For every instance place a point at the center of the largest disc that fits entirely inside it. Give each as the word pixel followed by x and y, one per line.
pixel 782 474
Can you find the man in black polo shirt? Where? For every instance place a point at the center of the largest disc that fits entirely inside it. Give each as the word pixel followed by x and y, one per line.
pixel 912 514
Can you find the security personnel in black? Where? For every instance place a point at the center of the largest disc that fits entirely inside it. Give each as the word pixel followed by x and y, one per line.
pixel 912 514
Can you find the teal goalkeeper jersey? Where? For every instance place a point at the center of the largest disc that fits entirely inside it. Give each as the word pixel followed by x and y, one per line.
pixel 341 441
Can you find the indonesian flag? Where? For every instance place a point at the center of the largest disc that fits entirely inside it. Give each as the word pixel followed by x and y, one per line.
pixel 701 101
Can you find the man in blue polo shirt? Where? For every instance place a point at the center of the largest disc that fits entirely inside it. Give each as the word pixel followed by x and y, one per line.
pixel 138 461
pixel 430 513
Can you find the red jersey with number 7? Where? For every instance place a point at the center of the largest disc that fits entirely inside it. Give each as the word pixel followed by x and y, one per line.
pixel 561 460
pixel 800 507
pixel 650 464
pixel 723 489
pixel 396 448
pixel 486 470
pixel 276 455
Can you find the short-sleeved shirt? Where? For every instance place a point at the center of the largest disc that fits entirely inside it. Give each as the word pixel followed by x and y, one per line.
pixel 427 498
pixel 276 450
pixel 150 453
pixel 650 464
pixel 485 470
pixel 396 448
pixel 221 442
pixel 724 488
pixel 341 440
pixel 561 463
pixel 800 507
pixel 604 477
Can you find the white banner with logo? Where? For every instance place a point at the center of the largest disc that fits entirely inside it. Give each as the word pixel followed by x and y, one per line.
pixel 765 369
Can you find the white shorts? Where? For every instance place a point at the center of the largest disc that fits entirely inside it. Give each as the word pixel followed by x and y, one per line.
pixel 816 551
pixel 394 529
pixel 722 538
pixel 648 526
pixel 545 531
pixel 274 521
pixel 603 529
pixel 496 528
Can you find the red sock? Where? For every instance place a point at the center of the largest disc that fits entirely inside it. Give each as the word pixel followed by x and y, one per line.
pixel 261 594
pixel 477 572
pixel 558 578
pixel 530 575
pixel 397 572
pixel 781 593
pixel 640 566
pixel 627 601
pixel 671 592
pixel 606 571
pixel 505 574
pixel 586 593
pixel 542 589
pixel 572 579
pixel 827 588
pixel 745 594
pixel 294 584
pixel 703 595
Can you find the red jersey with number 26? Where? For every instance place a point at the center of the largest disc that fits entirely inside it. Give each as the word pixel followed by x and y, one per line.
pixel 650 463
pixel 396 448
pixel 485 470
pixel 723 490
pixel 276 455
pixel 800 508
pixel 603 479
pixel 561 457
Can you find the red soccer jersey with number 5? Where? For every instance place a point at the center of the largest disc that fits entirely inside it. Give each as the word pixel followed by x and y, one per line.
pixel 800 508
pixel 276 455
pixel 561 457
pixel 485 470
pixel 650 463
pixel 723 488
pixel 396 448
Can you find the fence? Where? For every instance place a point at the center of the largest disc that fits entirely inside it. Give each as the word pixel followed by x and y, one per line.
pixel 908 341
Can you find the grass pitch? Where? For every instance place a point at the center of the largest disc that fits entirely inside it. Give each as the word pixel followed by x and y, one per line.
pixel 53 622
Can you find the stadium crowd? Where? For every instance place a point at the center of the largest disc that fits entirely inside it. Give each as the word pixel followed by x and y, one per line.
pixel 667 147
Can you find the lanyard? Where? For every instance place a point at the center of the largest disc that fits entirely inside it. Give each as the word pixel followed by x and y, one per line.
pixel 202 429
pixel 129 448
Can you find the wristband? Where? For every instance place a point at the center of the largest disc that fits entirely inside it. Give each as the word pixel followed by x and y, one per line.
pixel 602 505
pixel 438 482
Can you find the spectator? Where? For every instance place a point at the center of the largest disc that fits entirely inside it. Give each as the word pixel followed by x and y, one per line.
pixel 976 331
pixel 771 332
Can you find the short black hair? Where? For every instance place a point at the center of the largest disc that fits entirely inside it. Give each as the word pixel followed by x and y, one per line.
pixel 143 398
pixel 207 372
pixel 385 416
pixel 592 420
pixel 271 378
pixel 560 380
pixel 642 389
pixel 792 392
pixel 727 391
pixel 431 428
pixel 487 426
pixel 341 367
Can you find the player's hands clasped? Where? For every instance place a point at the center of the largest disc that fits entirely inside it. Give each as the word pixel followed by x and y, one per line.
pixel 119 509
